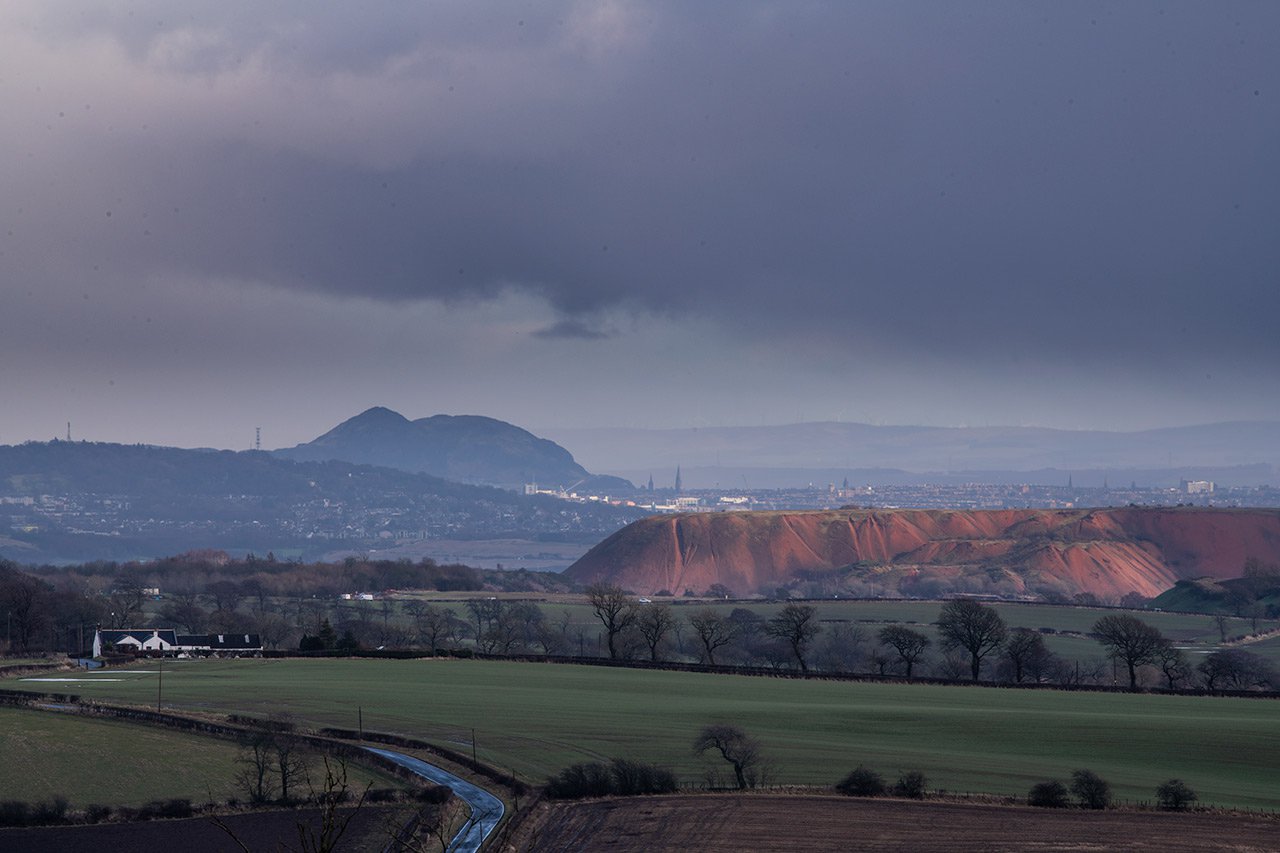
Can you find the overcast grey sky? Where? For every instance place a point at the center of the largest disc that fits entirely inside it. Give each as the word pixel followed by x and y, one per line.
pixel 215 216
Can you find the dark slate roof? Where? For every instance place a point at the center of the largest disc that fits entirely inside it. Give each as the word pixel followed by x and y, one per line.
pixel 235 641
pixel 193 639
pixel 141 635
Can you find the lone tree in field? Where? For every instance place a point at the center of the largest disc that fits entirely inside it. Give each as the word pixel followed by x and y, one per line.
pixel 796 625
pixel 614 610
pixel 655 621
pixel 713 631
pixel 1127 638
pixel 909 645
pixel 976 628
pixel 736 747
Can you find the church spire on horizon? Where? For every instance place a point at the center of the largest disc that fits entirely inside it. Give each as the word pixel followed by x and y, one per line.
pixel 678 483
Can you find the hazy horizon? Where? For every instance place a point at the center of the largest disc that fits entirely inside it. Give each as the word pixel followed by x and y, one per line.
pixel 223 216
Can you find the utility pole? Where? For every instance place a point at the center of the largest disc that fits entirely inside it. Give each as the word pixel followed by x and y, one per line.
pixel 160 683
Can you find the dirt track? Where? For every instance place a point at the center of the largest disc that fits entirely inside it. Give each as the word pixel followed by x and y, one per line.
pixel 730 823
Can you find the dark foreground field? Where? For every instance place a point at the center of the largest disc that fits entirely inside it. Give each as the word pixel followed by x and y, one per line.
pixel 731 822
pixel 369 832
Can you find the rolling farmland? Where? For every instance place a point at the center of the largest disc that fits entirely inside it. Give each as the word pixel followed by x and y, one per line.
pixel 536 718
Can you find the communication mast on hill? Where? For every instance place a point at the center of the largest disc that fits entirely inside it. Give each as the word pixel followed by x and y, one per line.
pixel 68 430
pixel 257 438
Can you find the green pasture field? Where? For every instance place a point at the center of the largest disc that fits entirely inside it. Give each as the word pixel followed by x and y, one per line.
pixel 536 718
pixel 1268 648
pixel 91 760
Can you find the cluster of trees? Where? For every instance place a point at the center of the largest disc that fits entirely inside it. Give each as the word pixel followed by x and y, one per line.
pixel 975 635
pixel 1135 644
pixel 621 777
pixel 1091 791
pixel 974 641
pixel 791 631
pixel 55 608
pixel 865 782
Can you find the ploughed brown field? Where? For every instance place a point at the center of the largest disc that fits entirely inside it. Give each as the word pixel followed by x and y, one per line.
pixel 370 831
pixel 1107 552
pixel 729 823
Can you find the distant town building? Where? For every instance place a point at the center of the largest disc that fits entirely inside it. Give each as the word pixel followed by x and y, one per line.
pixel 1197 487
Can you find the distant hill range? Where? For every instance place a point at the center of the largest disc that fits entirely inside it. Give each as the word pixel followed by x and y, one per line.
pixel 64 500
pixel 464 448
pixel 1243 453
pixel 1048 554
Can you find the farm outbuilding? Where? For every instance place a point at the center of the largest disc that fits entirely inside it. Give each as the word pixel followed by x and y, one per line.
pixel 167 642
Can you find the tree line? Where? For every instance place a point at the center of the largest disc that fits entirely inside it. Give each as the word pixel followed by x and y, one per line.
pixel 973 642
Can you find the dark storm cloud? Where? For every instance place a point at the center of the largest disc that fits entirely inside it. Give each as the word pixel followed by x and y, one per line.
pixel 977 181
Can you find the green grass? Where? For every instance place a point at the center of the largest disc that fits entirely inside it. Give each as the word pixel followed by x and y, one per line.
pixel 111 762
pixel 91 760
pixel 536 718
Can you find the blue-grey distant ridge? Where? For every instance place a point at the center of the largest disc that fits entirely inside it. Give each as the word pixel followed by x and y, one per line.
pixel 463 448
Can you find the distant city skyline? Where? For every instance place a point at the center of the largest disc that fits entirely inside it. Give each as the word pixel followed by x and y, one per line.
pixel 230 216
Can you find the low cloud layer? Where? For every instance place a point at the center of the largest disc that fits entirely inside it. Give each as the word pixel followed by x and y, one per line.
pixel 963 201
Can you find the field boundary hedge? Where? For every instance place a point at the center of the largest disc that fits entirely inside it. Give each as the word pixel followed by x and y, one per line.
pixel 770 672
pixel 758 671
pixel 329 740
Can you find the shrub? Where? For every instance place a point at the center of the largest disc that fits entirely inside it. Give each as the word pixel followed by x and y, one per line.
pixel 1048 795
pixel 621 776
pixel 96 813
pixel 165 808
pixel 52 811
pixel 436 794
pixel 14 813
pixel 382 795
pixel 911 785
pixel 1090 789
pixel 635 777
pixel 580 780
pixel 1175 795
pixel 862 782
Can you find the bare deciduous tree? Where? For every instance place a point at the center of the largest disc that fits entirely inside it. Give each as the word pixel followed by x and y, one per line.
pixel 796 625
pixel 614 609
pixel 1127 638
pixel 974 627
pixel 735 746
pixel 1021 649
pixel 436 625
pixel 1173 663
pixel 255 761
pixel 655 621
pixel 909 645
pixel 713 630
